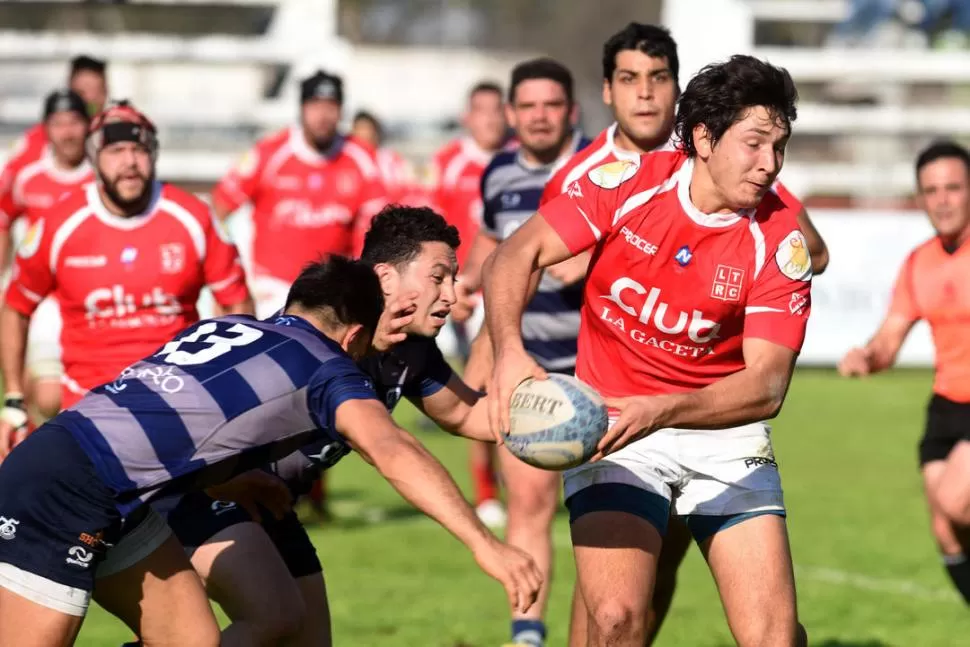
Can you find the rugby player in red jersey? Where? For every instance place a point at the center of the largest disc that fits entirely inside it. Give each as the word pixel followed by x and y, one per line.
pixel 699 288
pixel 125 257
pixel 29 185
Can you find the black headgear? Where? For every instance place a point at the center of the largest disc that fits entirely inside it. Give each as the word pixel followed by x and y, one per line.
pixel 322 86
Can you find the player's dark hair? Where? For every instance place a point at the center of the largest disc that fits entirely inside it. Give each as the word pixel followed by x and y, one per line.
pixel 397 232
pixel 363 115
pixel 86 63
pixel 942 150
pixel 654 41
pixel 541 68
pixel 338 288
pixel 722 93
pixel 485 86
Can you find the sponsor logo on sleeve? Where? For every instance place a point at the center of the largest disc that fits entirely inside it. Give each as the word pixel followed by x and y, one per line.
pixel 247 164
pixel 613 174
pixel 31 241
pixel 793 258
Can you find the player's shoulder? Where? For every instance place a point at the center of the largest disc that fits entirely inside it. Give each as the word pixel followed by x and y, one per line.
pixel 501 160
pixel 633 175
pixel 360 156
pixel 273 141
pixel 172 195
pixel 73 202
pixel 777 213
pixel 447 151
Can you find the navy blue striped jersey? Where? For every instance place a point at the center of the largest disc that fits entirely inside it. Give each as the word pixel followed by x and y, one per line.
pixel 224 396
pixel 413 369
pixel 511 190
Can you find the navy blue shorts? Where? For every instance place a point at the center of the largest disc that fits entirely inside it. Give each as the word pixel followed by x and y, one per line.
pixel 197 517
pixel 57 517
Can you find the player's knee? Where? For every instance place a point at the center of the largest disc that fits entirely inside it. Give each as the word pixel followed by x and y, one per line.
pixel 617 621
pixel 946 538
pixel 777 627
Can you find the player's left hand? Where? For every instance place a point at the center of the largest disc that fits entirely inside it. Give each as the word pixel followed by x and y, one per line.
pixel 253 489
pixel 515 569
pixel 570 270
pixel 396 316
pixel 639 416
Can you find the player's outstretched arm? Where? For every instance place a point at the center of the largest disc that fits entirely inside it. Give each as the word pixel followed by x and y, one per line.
pixel 424 482
pixel 880 353
pixel 460 410
pixel 754 393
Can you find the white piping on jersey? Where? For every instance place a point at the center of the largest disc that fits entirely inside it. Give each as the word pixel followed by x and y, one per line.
pixel 121 222
pixel 276 160
pixel 759 244
pixel 30 294
pixel 641 198
pixel 65 230
pixel 301 150
pixel 363 160
pixel 753 310
pixel 469 153
pixel 596 232
pixel 218 286
pixel 191 224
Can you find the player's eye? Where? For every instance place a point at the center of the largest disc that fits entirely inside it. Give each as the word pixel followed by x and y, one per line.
pixel 438 278
pixel 661 77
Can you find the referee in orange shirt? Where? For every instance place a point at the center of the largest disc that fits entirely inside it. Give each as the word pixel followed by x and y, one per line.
pixel 934 285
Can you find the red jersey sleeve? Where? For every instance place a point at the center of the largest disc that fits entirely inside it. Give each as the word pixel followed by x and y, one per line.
pixel 242 183
pixel 221 267
pixel 584 213
pixel 780 298
pixel 553 187
pixel 10 205
pixel 903 302
pixel 33 277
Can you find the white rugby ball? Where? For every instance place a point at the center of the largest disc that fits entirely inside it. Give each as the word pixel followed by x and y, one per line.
pixel 555 423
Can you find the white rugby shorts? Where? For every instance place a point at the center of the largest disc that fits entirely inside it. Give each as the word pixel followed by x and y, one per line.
pixel 699 472
pixel 43 359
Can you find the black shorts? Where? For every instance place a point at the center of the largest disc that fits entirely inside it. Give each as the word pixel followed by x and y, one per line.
pixel 197 517
pixel 57 517
pixel 947 423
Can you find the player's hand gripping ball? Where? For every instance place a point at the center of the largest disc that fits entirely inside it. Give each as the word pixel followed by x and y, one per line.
pixel 555 423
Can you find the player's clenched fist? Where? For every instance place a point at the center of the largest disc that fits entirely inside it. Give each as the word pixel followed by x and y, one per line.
pixel 514 569
pixel 856 362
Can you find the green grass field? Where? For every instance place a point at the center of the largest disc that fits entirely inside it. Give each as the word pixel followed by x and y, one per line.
pixel 867 569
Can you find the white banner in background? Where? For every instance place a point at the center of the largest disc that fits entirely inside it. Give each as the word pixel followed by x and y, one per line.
pixel 850 299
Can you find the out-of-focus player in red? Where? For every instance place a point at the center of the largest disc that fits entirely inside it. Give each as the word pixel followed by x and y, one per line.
pixel 28 186
pixel 397 173
pixel 125 257
pixel 699 288
pixel 87 77
pixel 313 191
pixel 456 171
pixel 640 86
pixel 933 286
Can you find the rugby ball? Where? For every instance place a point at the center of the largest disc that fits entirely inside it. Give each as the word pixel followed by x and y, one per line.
pixel 555 423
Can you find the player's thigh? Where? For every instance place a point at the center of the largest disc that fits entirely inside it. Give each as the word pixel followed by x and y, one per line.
pixel 26 623
pixel 618 510
pixel 752 566
pixel 161 599
pixel 531 494
pixel 316 626
pixel 246 575
pixel 953 487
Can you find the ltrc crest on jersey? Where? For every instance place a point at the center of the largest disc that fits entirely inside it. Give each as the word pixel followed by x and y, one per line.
pixel 173 258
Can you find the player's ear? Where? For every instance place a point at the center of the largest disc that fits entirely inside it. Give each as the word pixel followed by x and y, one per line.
pixel 574 114
pixel 702 141
pixel 509 115
pixel 389 277
pixel 607 92
pixel 356 341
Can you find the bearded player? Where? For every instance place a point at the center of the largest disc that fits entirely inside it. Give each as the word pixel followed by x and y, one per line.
pixel 932 286
pixel 706 308
pixel 125 257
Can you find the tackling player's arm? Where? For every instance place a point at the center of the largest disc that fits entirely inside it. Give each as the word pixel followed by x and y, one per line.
pixel 343 402
pixel 880 353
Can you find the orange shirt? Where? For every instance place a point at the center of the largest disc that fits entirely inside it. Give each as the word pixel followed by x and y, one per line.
pixel 933 286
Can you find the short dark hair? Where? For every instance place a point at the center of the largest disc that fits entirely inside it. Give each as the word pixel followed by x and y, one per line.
pixel 364 115
pixel 485 86
pixel 84 63
pixel 397 232
pixel 654 41
pixel 340 290
pixel 941 150
pixel 541 68
pixel 720 94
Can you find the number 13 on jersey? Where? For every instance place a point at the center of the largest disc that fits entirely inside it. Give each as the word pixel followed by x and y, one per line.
pixel 216 344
